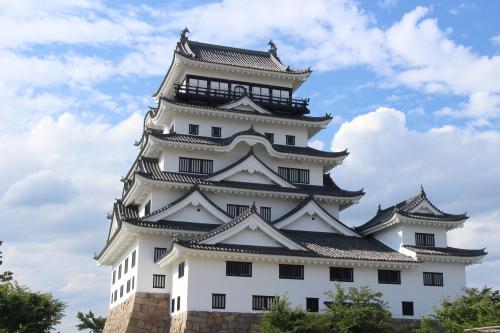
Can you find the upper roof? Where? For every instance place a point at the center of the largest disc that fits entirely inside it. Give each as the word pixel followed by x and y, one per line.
pixel 407 208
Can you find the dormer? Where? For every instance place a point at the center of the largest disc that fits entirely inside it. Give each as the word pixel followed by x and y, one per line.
pixel 415 221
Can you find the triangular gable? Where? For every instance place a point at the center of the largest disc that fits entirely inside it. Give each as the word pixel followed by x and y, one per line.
pixel 251 230
pixel 251 169
pixel 425 207
pixel 302 219
pixel 245 103
pixel 193 207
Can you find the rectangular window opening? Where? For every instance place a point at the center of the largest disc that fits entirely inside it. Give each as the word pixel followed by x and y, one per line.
pixel 290 140
pixel 195 165
pixel 270 137
pixel 181 269
pixel 342 274
pixel 294 272
pixel 158 281
pixel 218 301
pixel 216 132
pixel 159 252
pixel 407 308
pixel 423 239
pixel 265 213
pixel 389 277
pixel 312 304
pixel 238 268
pixel 262 302
pixel 294 175
pixel 433 279
pixel 236 210
pixel 194 129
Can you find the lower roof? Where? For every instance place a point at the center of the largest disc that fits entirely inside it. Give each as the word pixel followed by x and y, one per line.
pixel 445 251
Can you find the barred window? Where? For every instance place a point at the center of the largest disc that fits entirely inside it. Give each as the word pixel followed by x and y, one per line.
pixel 172 305
pixel 424 239
pixel 294 175
pixel 116 295
pixel 407 308
pixel 121 291
pixel 218 301
pixel 265 213
pixel 128 285
pixel 270 137
pixel 114 276
pixel 125 269
pixel 133 282
pixel 262 302
pixel 119 272
pixel 178 303
pixel 133 259
pixel 111 298
pixel 238 268
pixel 159 251
pixel 158 281
pixel 236 210
pixel 181 269
pixel 389 277
pixel 312 304
pixel 194 129
pixel 342 274
pixel 216 132
pixel 294 272
pixel 433 279
pixel 195 165
pixel 290 140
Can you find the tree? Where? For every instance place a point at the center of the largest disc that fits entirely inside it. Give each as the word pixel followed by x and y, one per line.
pixel 5 276
pixel 90 322
pixel 474 308
pixel 358 310
pixel 25 311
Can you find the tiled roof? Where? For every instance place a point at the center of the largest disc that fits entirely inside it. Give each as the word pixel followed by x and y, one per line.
pixel 232 56
pixel 404 208
pixel 290 116
pixel 149 168
pixel 205 140
pixel 175 225
pixel 445 251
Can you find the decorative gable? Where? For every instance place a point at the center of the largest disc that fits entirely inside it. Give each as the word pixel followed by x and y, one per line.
pixel 245 103
pixel 425 207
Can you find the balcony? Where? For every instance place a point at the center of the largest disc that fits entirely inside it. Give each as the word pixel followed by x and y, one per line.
pixel 216 97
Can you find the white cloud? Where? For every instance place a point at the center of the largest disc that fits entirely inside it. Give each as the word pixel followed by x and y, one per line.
pixel 496 40
pixel 317 144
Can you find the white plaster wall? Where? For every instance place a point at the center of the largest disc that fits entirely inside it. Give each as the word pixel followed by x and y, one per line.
pixel 179 286
pixel 252 237
pixel 132 272
pixel 392 237
pixel 409 231
pixel 147 267
pixel 192 213
pixel 306 223
pixel 207 276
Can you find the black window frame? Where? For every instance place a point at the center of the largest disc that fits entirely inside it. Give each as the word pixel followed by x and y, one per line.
pixel 121 291
pixel 114 277
pixel 234 210
pixel 425 239
pixel 385 276
pixel 265 213
pixel 178 303
pixel 295 175
pixel 269 136
pixel 342 274
pixel 262 303
pixel 158 252
pixel 190 165
pixel 159 281
pixel 133 282
pixel 134 254
pixel 291 272
pixel 216 132
pixel 433 279
pixel 239 268
pixel 407 308
pixel 128 286
pixel 125 266
pixel 290 140
pixel 194 129
pixel 172 305
pixel 312 304
pixel 119 271
pixel 218 301
pixel 181 270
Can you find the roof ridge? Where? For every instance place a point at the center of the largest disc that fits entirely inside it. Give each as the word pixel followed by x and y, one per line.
pixel 230 48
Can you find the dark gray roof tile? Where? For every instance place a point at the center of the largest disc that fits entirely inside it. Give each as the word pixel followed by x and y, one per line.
pixel 446 251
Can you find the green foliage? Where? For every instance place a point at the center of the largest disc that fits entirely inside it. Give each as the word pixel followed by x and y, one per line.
pixel 475 308
pixel 25 311
pixel 90 322
pixel 5 276
pixel 357 310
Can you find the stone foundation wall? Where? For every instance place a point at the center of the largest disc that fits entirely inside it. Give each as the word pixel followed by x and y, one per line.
pixel 140 313
pixel 215 322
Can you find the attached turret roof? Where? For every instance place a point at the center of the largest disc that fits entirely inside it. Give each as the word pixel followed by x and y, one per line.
pixel 445 251
pixel 406 208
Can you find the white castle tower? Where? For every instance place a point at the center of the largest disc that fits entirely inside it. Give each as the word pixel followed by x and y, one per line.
pixel 227 207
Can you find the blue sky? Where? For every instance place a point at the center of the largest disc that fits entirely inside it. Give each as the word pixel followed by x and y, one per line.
pixel 414 87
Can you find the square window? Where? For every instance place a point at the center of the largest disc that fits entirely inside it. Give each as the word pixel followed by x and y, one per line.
pixel 290 140
pixel 159 252
pixel 270 137
pixel 194 129
pixel 181 269
pixel 407 308
pixel 312 304
pixel 216 132
pixel 342 274
pixel 218 301
pixel 158 281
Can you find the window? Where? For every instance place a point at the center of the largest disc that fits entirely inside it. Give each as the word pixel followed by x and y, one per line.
pixel 133 282
pixel 260 94
pixel 424 239
pixel 312 304
pixel 194 129
pixel 262 302
pixel 159 251
pixel 181 269
pixel 281 96
pixel 158 281
pixel 178 303
pixel 342 274
pixel 114 276
pixel 121 291
pixel 111 298
pixel 218 301
pixel 389 277
pixel 236 210
pixel 116 295
pixel 294 175
pixel 198 84
pixel 407 308
pixel 290 140
pixel 133 259
pixel 147 208
pixel 265 213
pixel 128 286
pixel 119 272
pixel 173 305
pixel 433 279
pixel 216 132
pixel 270 137
pixel 218 88
pixel 240 90
pixel 238 268
pixel 125 269
pixel 195 165
pixel 294 272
